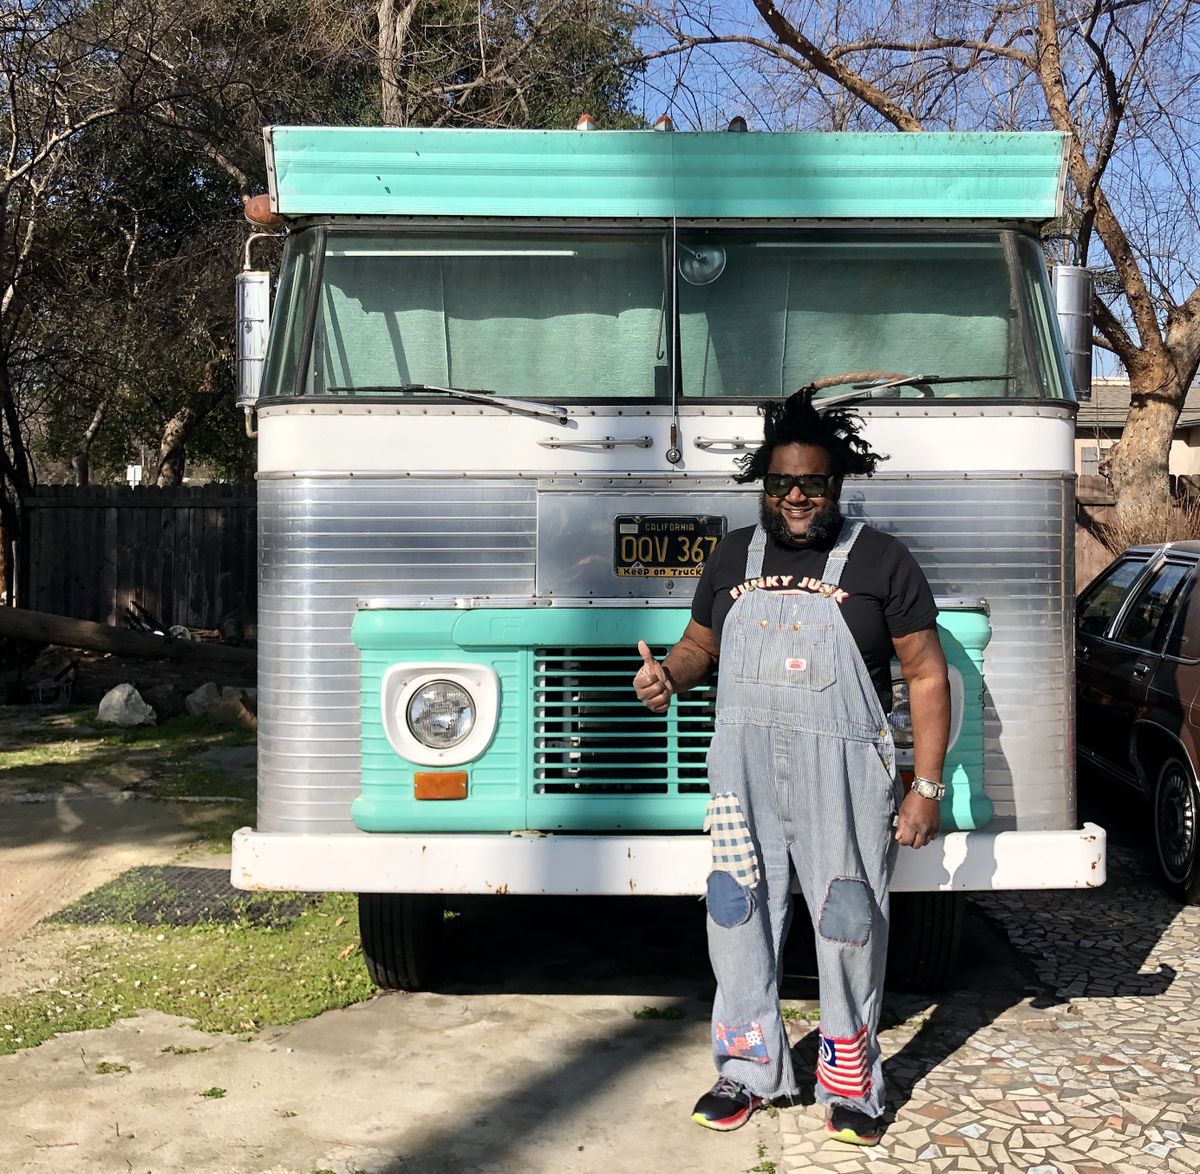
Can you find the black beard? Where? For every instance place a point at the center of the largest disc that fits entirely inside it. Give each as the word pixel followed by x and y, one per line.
pixel 823 527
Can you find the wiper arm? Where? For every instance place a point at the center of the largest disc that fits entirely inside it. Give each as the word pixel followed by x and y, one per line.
pixel 913 380
pixel 523 407
pixel 872 387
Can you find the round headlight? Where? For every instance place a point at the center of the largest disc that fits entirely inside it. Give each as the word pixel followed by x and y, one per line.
pixel 900 718
pixel 441 714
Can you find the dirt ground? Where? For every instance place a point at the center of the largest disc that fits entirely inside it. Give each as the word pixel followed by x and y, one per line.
pixel 62 840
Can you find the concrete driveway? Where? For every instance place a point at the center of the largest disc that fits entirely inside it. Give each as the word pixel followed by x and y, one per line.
pixel 1067 1046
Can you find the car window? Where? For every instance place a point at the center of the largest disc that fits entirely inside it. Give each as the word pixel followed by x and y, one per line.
pixel 1103 598
pixel 1149 616
pixel 1182 640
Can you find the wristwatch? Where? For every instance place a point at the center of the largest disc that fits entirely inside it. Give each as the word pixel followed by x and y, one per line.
pixel 927 788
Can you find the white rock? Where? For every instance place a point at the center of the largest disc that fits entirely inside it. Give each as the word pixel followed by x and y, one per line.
pixel 122 705
pixel 199 700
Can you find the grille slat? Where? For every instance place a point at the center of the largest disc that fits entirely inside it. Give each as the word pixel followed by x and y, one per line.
pixel 592 737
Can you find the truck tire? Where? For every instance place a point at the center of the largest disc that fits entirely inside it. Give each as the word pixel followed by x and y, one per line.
pixel 1177 829
pixel 923 939
pixel 401 937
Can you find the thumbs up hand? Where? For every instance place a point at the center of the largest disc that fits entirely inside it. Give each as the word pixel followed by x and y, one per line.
pixel 652 684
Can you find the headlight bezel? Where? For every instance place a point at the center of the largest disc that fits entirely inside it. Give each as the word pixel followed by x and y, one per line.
pixel 402 682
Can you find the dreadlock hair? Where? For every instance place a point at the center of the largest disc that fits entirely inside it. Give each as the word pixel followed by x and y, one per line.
pixel 796 421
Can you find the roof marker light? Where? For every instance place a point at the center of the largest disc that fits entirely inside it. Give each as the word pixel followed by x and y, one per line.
pixel 586 122
pixel 663 122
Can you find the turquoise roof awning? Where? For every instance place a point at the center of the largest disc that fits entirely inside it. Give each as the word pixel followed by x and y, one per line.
pixel 657 175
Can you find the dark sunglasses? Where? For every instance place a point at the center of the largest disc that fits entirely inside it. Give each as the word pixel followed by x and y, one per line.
pixel 810 484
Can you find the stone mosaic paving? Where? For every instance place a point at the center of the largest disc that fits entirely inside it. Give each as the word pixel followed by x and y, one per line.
pixel 1091 1069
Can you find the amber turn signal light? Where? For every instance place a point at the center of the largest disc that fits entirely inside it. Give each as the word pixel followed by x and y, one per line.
pixel 448 784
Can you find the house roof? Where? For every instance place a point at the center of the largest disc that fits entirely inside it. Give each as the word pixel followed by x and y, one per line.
pixel 1109 406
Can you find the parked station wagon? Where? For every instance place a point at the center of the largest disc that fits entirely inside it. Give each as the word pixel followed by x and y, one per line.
pixel 1137 658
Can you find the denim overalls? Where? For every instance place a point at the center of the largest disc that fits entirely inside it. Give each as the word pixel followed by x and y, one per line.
pixel 801 773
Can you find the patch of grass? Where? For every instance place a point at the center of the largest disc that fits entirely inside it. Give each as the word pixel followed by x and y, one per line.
pixel 65 748
pixel 660 1013
pixel 107 1066
pixel 800 1014
pixel 227 978
pixel 213 1094
pixel 765 1164
pixel 176 1050
pixel 288 1113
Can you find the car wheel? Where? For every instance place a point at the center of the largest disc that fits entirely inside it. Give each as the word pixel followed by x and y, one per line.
pixel 1177 829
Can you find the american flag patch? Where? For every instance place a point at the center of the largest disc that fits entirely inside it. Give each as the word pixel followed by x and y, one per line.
pixel 842 1065
pixel 732 846
pixel 744 1042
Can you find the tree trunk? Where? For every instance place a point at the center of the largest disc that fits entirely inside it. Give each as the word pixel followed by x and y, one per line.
pixel 79 460
pixel 394 18
pixel 172 450
pixel 1137 465
pixel 45 628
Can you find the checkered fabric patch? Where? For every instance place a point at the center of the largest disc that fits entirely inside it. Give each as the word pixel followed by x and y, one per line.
pixel 732 846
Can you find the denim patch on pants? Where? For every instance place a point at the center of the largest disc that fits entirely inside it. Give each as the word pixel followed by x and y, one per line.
pixel 846 914
pixel 729 903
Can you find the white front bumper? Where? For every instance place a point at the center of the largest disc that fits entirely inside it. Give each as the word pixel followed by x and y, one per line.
pixel 643 865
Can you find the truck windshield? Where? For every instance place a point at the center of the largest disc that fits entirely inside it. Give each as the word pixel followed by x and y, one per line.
pixel 720 314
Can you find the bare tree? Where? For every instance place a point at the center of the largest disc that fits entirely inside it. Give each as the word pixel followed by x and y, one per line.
pixel 505 63
pixel 1118 77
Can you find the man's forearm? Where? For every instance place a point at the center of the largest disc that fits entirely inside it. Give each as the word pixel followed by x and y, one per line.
pixel 929 705
pixel 688 664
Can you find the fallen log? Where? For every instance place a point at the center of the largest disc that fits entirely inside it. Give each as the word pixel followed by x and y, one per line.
pixel 21 624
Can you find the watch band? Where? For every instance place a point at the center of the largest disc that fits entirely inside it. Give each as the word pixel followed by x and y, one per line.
pixel 928 788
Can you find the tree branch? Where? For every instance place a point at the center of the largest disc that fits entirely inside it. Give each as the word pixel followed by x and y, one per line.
pixel 862 89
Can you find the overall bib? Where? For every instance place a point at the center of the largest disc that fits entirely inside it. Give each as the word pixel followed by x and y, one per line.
pixel 801 775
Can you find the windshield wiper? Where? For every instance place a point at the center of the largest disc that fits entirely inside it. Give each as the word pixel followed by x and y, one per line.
pixel 523 407
pixel 873 387
pixel 913 380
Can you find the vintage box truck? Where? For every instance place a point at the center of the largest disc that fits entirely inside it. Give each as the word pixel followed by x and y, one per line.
pixel 506 378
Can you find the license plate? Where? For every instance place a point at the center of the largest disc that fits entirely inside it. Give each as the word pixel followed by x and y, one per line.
pixel 665 548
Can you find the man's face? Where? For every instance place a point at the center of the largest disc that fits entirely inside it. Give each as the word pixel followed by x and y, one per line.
pixel 797 519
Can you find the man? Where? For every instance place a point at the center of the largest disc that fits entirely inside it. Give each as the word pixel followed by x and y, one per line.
pixel 801 615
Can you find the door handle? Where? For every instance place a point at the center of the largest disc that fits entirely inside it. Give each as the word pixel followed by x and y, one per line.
pixel 606 442
pixel 1140 670
pixel 733 443
pixel 1082 652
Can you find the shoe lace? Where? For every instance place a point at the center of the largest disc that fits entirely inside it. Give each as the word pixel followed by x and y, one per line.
pixel 725 1087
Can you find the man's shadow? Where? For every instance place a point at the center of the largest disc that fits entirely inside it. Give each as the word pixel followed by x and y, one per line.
pixel 1041 947
pixel 992 978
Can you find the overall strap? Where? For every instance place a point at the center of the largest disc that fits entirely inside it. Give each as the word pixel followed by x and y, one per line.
pixel 754 555
pixel 835 564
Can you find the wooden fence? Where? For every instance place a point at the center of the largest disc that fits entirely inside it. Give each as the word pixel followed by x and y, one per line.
pixel 186 554
pixel 1095 507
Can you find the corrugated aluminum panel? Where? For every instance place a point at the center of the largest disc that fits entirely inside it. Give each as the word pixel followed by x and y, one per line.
pixel 327 543
pixel 1011 543
pixel 514 174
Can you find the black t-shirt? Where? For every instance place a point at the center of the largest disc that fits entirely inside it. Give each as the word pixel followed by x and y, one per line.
pixel 886 592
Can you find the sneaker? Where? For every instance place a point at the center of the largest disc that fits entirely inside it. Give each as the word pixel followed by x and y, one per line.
pixel 853 1127
pixel 727 1105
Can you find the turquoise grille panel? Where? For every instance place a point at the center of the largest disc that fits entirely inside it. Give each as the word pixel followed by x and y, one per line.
pixel 573 750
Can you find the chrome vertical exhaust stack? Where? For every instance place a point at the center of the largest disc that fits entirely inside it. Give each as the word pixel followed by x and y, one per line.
pixel 1073 286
